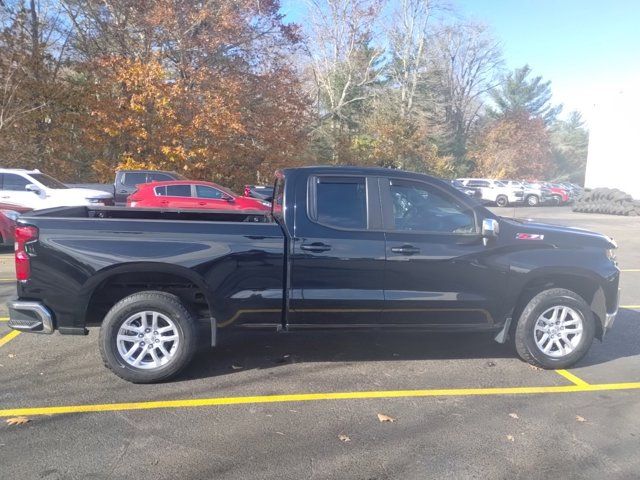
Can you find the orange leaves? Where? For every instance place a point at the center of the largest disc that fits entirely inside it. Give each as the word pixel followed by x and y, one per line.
pixel 516 146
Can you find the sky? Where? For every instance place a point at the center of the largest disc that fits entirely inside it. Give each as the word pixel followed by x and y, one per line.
pixel 589 49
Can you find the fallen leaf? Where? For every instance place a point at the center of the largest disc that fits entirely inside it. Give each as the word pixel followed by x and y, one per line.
pixel 17 420
pixel 236 367
pixel 491 364
pixel 385 418
pixel 344 438
pixel 11 355
pixel 284 358
pixel 533 367
pixel 514 415
pixel 580 419
pixel 510 438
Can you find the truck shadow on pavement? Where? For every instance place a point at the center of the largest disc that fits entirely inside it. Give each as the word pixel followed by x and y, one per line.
pixel 239 351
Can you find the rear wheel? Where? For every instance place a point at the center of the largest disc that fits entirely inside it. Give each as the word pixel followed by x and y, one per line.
pixel 148 337
pixel 532 200
pixel 502 201
pixel 557 199
pixel 555 330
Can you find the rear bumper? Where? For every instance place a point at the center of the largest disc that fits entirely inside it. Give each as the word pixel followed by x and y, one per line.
pixel 28 316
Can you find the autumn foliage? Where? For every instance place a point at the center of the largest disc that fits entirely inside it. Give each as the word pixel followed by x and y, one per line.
pixel 515 146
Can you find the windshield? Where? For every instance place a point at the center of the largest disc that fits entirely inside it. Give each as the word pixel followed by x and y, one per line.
pixel 48 181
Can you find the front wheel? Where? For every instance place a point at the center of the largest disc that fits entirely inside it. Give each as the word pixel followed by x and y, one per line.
pixel 502 201
pixel 555 330
pixel 532 200
pixel 147 337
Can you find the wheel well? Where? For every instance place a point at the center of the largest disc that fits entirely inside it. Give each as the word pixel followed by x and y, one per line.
pixel 121 285
pixel 583 286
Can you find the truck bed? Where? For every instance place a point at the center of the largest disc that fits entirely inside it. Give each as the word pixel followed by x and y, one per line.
pixel 153 214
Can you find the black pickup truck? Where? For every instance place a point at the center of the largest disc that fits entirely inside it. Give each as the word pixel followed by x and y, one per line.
pixel 343 248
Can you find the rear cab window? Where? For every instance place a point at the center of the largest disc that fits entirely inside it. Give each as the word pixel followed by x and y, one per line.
pixel 178 190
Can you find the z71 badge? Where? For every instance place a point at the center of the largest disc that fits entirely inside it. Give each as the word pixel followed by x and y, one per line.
pixel 529 236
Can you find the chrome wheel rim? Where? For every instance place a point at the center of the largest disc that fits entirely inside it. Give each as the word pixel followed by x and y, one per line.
pixel 558 331
pixel 148 340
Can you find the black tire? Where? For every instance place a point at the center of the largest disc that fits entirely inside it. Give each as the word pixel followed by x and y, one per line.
pixel 524 333
pixel 557 200
pixel 502 201
pixel 164 303
pixel 532 200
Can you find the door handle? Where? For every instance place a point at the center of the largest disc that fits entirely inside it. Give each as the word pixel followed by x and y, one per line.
pixel 202 203
pixel 315 247
pixel 124 191
pixel 406 250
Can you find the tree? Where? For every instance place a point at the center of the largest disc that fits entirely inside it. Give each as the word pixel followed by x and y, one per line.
pixel 570 140
pixel 345 70
pixel 517 94
pixel 464 60
pixel 517 146
pixel 203 88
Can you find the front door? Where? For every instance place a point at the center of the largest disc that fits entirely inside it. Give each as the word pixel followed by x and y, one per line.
pixel 337 266
pixel 438 272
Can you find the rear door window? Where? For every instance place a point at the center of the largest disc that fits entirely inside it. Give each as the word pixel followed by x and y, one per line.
pixel 178 190
pixel 341 202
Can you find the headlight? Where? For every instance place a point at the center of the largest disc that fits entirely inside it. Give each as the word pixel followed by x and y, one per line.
pixel 611 254
pixel 265 203
pixel 96 201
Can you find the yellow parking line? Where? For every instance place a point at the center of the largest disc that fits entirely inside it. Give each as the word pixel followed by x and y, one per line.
pixel 309 397
pixel 8 337
pixel 7 279
pixel 572 378
pixel 4 319
pixel 631 307
pixel 630 270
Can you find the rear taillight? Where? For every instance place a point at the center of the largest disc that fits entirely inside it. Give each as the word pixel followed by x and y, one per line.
pixel 23 236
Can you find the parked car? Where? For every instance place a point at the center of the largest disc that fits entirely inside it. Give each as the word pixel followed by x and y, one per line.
pixel 457 184
pixel 260 192
pixel 23 190
pixel 534 195
pixel 126 181
pixel 494 191
pixel 192 194
pixel 160 289
pixel 559 196
pixel 7 227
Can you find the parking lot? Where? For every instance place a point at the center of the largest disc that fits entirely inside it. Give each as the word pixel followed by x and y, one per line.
pixel 307 405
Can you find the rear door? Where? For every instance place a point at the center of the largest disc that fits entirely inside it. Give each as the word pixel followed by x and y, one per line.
pixel 337 262
pixel 177 196
pixel 438 273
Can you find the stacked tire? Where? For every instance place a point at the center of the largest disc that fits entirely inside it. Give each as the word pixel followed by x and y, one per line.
pixel 609 201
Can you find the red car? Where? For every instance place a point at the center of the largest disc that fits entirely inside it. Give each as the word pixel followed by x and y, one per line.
pixel 7 227
pixel 559 195
pixel 181 194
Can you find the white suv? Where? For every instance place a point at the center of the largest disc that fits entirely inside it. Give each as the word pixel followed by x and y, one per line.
pixel 494 191
pixel 33 190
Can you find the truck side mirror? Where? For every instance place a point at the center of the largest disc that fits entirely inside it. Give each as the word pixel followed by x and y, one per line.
pixel 33 188
pixel 490 229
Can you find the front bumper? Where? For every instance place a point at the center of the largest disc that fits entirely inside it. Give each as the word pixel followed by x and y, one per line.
pixel 28 316
pixel 609 318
